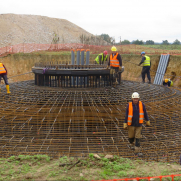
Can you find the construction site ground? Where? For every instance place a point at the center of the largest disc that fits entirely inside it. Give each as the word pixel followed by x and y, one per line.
pixel 161 143
pixel 42 167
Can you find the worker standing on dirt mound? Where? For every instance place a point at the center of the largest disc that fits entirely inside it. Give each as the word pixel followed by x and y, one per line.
pixel 146 67
pixel 3 74
pixel 115 63
pixel 135 114
pixel 101 58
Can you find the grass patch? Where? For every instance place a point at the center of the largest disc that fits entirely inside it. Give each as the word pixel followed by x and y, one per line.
pixel 41 167
pixel 164 47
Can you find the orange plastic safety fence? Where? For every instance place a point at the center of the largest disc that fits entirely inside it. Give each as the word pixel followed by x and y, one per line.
pixel 148 178
pixel 95 49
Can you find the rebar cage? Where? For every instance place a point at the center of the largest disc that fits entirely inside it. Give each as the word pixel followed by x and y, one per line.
pixel 74 76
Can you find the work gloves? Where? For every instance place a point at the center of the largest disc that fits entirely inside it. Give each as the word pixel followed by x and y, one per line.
pixel 107 67
pixel 125 126
pixel 147 123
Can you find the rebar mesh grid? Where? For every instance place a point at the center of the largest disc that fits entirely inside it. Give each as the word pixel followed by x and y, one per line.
pixel 75 122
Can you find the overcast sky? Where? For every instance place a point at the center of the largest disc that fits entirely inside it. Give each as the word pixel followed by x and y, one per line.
pixel 155 20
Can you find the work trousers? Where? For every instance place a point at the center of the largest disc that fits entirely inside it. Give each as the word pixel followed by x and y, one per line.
pixel 134 132
pixel 114 74
pixel 5 79
pixel 146 70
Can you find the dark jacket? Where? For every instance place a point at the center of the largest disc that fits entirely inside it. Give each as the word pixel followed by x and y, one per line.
pixel 119 58
pixel 135 119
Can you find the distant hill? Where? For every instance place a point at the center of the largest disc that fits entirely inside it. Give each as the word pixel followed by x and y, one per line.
pixel 15 29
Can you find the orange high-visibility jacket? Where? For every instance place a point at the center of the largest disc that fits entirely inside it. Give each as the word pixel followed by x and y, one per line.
pixel 130 113
pixel 114 62
pixel 2 69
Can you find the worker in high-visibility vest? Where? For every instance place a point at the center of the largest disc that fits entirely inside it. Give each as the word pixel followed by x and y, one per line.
pixel 3 74
pixel 146 67
pixel 101 58
pixel 115 63
pixel 168 82
pixel 135 115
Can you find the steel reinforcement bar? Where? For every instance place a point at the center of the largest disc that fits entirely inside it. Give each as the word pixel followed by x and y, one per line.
pixel 76 122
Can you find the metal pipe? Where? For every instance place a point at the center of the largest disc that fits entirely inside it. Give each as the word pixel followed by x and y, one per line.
pixel 78 63
pixel 87 56
pixel 72 57
pixel 82 63
pixel 87 61
pixel 82 56
pixel 78 56
pixel 72 62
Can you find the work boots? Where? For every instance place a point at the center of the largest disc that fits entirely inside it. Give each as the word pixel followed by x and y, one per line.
pixel 131 140
pixel 116 82
pixel 137 148
pixel 137 151
pixel 7 88
pixel 137 143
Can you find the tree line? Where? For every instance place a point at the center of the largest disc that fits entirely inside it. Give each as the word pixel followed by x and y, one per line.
pixel 105 39
pixel 111 40
pixel 149 42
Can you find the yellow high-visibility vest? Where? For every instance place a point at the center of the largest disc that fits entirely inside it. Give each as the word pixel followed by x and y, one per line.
pixel 147 61
pixel 97 58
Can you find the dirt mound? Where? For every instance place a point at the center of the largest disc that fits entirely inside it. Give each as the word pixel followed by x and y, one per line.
pixel 17 29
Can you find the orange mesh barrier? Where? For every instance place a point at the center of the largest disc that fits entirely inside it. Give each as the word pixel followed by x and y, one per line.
pixel 148 178
pixel 94 49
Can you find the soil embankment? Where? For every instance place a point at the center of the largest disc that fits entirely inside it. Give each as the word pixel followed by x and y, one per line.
pixel 133 72
pixel 19 28
pixel 21 63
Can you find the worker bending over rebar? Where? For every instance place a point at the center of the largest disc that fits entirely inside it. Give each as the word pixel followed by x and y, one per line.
pixel 169 82
pixel 3 74
pixel 101 58
pixel 135 114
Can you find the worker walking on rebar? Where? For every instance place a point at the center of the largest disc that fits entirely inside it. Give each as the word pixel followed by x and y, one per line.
pixel 101 58
pixel 3 74
pixel 115 63
pixel 135 114
pixel 146 67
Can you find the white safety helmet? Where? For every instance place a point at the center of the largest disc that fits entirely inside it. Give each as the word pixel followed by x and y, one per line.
pixel 135 95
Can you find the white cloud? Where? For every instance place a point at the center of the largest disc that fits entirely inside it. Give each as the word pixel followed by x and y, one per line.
pixel 142 19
